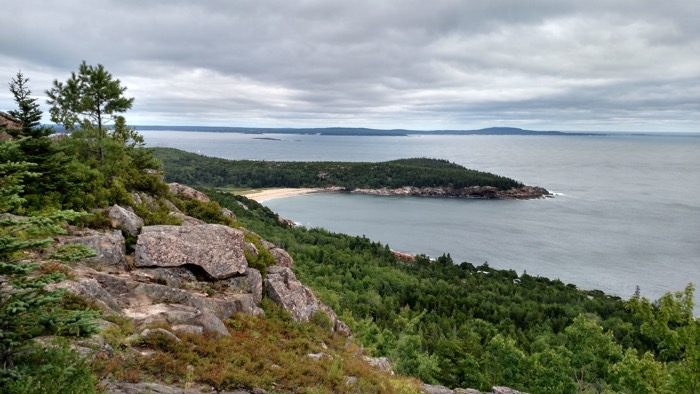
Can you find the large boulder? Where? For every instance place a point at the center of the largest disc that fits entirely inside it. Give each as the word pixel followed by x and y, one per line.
pixel 109 247
pixel 125 219
pixel 187 192
pixel 283 288
pixel 216 249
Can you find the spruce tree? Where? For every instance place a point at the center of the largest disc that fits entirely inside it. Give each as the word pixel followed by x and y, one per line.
pixel 28 111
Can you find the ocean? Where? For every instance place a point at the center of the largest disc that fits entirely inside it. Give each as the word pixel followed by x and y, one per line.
pixel 626 211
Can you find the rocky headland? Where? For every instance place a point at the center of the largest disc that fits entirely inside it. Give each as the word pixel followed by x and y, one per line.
pixel 475 192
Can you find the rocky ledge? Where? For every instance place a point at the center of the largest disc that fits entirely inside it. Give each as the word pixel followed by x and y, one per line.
pixel 190 278
pixel 477 192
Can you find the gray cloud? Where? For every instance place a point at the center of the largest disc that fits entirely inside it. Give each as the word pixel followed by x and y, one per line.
pixel 595 65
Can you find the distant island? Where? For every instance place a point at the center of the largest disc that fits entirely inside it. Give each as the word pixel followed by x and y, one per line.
pixel 418 177
pixel 361 131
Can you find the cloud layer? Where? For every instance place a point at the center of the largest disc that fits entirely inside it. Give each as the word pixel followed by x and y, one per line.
pixel 568 65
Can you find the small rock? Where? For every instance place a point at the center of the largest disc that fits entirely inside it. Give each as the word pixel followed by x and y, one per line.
pixel 282 258
pixel 228 213
pixel 251 248
pixel 381 363
pixel 187 192
pixel 150 331
pixel 188 329
pixel 351 380
pixel 317 356
pixel 435 389
pixel 504 390
pixel 125 219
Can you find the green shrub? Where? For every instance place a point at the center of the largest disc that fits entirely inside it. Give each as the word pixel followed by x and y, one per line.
pixel 73 252
pixel 322 320
pixel 49 370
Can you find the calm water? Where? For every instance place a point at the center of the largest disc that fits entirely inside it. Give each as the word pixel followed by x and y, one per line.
pixel 627 213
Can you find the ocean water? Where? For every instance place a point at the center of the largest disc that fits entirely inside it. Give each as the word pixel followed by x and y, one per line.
pixel 626 214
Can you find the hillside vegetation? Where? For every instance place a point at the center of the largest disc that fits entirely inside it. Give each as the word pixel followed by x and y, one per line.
pixel 455 324
pixel 473 326
pixel 198 170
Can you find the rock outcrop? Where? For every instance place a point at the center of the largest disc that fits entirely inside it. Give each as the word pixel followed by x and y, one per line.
pixel 125 219
pixel 251 283
pixel 216 249
pixel 157 388
pixel 280 255
pixel 187 192
pixel 135 295
pixel 437 389
pixel 109 247
pixel 282 258
pixel 283 288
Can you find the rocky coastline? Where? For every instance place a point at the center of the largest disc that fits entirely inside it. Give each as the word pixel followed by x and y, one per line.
pixel 472 192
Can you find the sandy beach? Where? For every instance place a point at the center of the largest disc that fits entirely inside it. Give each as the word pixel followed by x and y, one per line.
pixel 270 194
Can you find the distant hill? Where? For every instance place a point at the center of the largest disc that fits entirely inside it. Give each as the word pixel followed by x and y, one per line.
pixel 193 169
pixel 361 131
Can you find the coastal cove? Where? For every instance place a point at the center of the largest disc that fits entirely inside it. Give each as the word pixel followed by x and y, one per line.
pixel 625 213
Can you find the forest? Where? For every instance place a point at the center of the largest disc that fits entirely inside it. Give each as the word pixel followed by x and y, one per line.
pixel 474 326
pixel 198 170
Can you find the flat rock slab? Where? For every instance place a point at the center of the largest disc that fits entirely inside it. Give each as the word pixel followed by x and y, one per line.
pixel 217 249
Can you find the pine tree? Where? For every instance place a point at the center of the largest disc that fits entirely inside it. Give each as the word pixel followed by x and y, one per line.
pixel 90 98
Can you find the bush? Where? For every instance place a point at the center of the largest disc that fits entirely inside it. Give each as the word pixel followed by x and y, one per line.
pixel 48 370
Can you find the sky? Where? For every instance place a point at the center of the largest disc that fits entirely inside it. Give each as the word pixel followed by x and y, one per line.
pixel 627 65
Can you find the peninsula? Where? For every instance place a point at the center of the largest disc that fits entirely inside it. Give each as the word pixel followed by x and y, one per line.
pixel 418 177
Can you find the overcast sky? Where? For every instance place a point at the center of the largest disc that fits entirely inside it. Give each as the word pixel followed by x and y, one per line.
pixel 548 65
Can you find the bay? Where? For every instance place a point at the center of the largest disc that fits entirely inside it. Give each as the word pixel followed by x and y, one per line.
pixel 626 214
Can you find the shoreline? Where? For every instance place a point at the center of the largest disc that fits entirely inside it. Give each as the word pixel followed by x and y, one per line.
pixel 275 193
pixel 474 192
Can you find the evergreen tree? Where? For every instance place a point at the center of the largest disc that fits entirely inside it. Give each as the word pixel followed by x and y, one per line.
pixel 28 111
pixel 90 98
